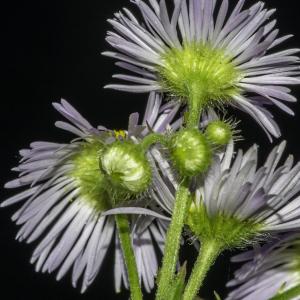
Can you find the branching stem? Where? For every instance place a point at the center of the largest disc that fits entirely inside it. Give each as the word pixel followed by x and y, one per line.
pixel 209 251
pixel 152 139
pixel 173 241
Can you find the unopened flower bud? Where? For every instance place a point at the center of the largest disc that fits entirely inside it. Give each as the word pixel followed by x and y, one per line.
pixel 219 133
pixel 127 167
pixel 190 152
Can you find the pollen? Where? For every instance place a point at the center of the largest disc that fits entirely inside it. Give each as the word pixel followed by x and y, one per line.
pixel 120 134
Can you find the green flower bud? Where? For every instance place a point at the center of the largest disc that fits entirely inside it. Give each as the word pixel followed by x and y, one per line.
pixel 190 152
pixel 127 168
pixel 88 177
pixel 219 133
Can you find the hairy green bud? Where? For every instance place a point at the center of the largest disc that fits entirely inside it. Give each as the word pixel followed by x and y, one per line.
pixel 88 176
pixel 126 167
pixel 190 152
pixel 218 133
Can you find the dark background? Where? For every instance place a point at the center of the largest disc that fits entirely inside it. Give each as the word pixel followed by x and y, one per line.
pixel 52 51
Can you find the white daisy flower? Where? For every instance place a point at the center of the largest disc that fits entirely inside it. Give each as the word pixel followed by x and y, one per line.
pixel 64 200
pixel 271 271
pixel 205 55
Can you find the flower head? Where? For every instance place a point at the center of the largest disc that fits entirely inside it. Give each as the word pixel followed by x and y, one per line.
pixel 66 195
pixel 195 56
pixel 269 271
pixel 235 203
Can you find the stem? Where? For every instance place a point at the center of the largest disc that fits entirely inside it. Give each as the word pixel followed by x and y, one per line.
pixel 194 109
pixel 153 138
pixel 289 294
pixel 124 234
pixel 173 240
pixel 206 258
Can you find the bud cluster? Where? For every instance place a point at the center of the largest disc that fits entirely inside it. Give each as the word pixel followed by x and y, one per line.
pixel 191 150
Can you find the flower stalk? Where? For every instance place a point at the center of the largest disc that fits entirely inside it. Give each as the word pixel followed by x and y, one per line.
pixel 195 106
pixel 173 240
pixel 209 251
pixel 152 139
pixel 124 234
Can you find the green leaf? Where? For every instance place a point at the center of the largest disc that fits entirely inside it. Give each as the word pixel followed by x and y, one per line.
pixel 217 296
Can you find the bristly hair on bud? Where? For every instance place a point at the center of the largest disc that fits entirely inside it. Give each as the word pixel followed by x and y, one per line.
pixel 88 176
pixel 190 152
pixel 127 169
pixel 219 133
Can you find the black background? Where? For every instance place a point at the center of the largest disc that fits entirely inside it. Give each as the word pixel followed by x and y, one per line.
pixel 52 51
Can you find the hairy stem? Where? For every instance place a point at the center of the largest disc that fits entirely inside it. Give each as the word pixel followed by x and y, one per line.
pixel 289 294
pixel 124 234
pixel 153 138
pixel 194 110
pixel 173 241
pixel 209 251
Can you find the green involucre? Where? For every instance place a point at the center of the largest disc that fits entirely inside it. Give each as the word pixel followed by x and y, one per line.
pixel 229 232
pixel 190 152
pixel 289 294
pixel 219 133
pixel 199 69
pixel 90 179
pixel 127 168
